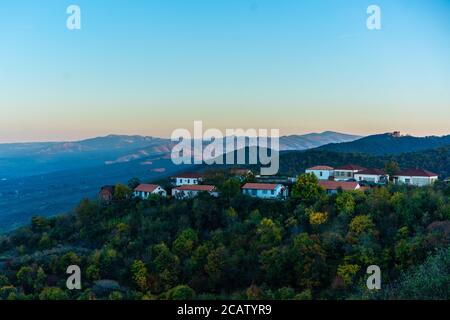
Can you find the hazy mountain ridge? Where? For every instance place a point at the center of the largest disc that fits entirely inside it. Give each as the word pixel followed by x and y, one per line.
pixel 313 140
pixel 23 159
pixel 388 143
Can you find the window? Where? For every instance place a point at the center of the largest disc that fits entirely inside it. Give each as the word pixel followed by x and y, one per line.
pixel 254 192
pixel 321 173
pixel 264 191
pixel 272 192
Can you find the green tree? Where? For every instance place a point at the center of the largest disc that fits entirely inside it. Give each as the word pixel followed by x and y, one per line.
pixel 345 204
pixel 306 189
pixel 121 192
pixel 391 168
pixel 181 292
pixel 139 274
pixel 269 233
pixel 185 242
pixel 53 293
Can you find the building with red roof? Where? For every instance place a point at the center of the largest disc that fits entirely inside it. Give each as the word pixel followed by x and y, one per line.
pixel 265 190
pixel 332 187
pixel 144 191
pixel 372 176
pixel 347 172
pixel 191 191
pixel 415 177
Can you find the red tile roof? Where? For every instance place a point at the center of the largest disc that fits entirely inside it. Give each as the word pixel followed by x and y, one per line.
pixel 260 186
pixel 416 173
pixel 373 171
pixel 352 167
pixel 334 185
pixel 321 168
pixel 196 187
pixel 146 187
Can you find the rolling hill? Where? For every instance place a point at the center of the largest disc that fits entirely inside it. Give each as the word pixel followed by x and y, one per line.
pixel 388 143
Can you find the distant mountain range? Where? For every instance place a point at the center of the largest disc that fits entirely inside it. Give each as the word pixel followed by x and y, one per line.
pixel 51 177
pixel 24 159
pixel 314 140
pixel 388 144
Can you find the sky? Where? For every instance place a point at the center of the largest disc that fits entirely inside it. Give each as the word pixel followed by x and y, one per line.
pixel 150 67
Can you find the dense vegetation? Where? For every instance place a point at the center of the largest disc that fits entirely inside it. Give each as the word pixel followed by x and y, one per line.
pixel 312 246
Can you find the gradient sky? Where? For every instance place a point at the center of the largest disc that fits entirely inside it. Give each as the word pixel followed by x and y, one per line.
pixel 149 67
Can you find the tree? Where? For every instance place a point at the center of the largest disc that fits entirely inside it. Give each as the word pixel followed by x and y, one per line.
pixel 167 266
pixel 133 183
pixel 25 278
pixel 361 224
pixel 139 274
pixel 306 189
pixel 318 218
pixel 181 292
pixel 345 203
pixel 269 233
pixel 185 242
pixel 121 192
pixel 391 168
pixel 347 272
pixel 230 188
pixel 309 261
pixel 53 293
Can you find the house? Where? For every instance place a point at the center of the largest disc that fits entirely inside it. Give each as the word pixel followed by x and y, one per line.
pixel 372 176
pixel 191 191
pixel 106 193
pixel 143 191
pixel 415 177
pixel 188 179
pixel 332 187
pixel 346 172
pixel 321 172
pixel 265 190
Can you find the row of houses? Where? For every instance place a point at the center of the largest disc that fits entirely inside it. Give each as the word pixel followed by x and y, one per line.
pixel 355 173
pixel 260 190
pixel 347 178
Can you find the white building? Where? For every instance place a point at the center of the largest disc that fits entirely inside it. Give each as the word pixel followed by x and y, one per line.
pixel 321 172
pixel 415 177
pixel 346 172
pixel 188 179
pixel 332 187
pixel 372 175
pixel 191 191
pixel 265 190
pixel 144 191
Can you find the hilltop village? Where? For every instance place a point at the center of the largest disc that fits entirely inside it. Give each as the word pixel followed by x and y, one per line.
pixel 345 178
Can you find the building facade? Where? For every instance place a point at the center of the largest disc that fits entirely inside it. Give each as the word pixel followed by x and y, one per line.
pixel 144 191
pixel 265 190
pixel 321 172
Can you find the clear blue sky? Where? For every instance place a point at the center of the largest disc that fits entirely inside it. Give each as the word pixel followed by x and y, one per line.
pixel 149 67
